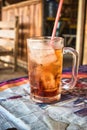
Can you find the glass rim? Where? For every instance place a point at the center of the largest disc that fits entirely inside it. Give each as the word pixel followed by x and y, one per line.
pixel 46 38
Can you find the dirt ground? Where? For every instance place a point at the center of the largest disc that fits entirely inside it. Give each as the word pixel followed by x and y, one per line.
pixel 6 74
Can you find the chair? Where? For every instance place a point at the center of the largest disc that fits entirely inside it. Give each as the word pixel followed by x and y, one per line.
pixel 9 42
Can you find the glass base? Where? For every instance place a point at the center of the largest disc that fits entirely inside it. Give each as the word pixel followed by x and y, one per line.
pixel 45 99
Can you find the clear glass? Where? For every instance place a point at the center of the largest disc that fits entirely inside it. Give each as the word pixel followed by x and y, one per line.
pixel 45 64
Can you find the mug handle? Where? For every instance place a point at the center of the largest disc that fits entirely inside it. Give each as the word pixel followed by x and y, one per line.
pixel 75 66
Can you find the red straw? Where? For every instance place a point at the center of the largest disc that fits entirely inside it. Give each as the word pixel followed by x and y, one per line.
pixel 57 19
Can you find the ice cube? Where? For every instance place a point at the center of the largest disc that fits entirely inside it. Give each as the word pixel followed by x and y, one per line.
pixel 48 81
pixel 42 53
pixel 38 45
pixel 35 75
pixel 43 56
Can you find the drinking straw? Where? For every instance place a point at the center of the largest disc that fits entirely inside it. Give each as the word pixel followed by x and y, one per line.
pixel 57 19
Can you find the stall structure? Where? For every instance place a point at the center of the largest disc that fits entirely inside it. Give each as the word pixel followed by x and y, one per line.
pixel 36 20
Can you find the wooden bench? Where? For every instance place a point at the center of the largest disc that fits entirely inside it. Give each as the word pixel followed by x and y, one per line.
pixel 9 41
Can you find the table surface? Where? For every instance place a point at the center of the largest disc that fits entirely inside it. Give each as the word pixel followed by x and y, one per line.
pixel 19 111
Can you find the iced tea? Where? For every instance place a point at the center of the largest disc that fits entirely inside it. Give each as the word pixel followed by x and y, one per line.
pixel 45 75
pixel 45 57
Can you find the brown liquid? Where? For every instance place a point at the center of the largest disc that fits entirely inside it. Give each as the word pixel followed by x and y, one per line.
pixel 45 79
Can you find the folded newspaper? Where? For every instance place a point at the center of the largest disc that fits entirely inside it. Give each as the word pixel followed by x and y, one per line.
pixel 18 111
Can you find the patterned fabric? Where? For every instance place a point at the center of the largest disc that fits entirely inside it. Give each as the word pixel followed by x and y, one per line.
pixel 19 111
pixel 82 77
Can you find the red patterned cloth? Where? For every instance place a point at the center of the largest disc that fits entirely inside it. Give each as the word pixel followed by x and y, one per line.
pixel 82 79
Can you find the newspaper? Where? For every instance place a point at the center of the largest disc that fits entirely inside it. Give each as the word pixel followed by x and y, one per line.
pixel 17 110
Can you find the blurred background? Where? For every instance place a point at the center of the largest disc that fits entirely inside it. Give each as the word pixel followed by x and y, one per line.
pixel 36 18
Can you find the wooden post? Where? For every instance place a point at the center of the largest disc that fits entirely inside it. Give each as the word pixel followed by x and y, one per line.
pixel 80 28
pixel 85 40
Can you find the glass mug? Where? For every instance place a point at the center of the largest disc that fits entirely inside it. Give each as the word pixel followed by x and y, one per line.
pixel 45 64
